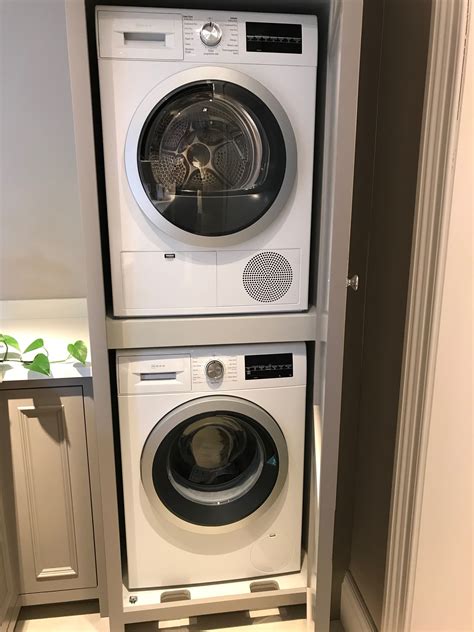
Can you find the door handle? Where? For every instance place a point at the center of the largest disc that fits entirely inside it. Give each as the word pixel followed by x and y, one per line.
pixel 353 282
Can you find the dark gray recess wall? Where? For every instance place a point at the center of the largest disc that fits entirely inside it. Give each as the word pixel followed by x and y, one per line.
pixel 396 33
pixel 268 6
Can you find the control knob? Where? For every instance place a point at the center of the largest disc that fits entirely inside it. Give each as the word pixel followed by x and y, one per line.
pixel 215 370
pixel 211 34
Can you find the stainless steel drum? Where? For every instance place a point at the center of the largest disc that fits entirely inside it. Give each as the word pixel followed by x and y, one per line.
pixel 211 145
pixel 212 158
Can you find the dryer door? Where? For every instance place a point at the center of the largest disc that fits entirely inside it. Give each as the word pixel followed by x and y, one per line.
pixel 214 461
pixel 211 160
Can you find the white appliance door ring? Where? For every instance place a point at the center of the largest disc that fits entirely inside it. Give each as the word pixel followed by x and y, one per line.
pixel 198 158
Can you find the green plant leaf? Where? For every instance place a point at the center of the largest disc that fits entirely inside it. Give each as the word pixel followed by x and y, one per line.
pixel 78 350
pixel 36 344
pixel 40 364
pixel 10 341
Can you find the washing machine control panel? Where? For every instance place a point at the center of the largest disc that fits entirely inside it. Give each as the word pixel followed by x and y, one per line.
pixel 215 370
pixel 211 369
pixel 211 34
pixel 270 365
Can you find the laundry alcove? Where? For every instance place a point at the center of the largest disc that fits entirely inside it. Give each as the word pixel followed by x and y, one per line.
pixel 321 327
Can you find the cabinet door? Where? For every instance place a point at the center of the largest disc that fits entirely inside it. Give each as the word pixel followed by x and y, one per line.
pixel 52 490
pixel 340 106
pixel 8 585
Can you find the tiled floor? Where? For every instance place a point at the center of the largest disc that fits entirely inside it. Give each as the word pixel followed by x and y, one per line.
pixel 83 617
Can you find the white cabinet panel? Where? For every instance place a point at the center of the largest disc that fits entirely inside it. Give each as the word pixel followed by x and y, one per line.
pixel 8 587
pixel 52 489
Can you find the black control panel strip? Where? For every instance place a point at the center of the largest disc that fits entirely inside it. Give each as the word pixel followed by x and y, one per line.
pixel 264 37
pixel 268 366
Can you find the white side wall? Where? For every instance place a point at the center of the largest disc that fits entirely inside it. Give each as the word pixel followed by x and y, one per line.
pixel 40 227
pixel 443 598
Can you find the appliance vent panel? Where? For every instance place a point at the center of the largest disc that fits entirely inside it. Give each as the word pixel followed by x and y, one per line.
pixel 267 277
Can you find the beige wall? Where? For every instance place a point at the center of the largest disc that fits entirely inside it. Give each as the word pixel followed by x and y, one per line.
pixel 443 598
pixel 40 226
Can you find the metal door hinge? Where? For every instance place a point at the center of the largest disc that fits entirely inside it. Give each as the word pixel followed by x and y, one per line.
pixel 353 282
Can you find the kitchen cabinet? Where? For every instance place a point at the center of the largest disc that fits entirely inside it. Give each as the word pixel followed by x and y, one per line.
pixel 52 490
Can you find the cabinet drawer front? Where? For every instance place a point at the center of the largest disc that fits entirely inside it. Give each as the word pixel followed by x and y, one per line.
pixel 52 489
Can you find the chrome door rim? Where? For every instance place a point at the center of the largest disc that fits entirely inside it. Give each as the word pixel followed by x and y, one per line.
pixel 161 91
pixel 183 413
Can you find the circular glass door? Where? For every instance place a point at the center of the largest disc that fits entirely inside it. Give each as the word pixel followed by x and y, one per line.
pixel 210 158
pixel 214 461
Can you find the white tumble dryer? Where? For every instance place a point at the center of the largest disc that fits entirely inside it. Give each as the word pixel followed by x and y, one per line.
pixel 212 443
pixel 208 137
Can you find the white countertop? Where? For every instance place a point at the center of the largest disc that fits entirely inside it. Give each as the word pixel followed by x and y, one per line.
pixel 59 322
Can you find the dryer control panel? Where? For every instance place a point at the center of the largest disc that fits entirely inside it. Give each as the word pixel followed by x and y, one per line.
pixel 199 36
pixel 254 38
pixel 210 38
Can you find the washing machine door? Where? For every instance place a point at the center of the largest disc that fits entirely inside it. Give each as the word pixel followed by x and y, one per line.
pixel 213 462
pixel 210 156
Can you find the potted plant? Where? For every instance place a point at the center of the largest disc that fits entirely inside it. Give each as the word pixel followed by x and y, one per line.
pixel 40 362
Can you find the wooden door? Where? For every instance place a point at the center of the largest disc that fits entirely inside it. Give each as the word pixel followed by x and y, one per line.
pixel 391 101
pixel 340 107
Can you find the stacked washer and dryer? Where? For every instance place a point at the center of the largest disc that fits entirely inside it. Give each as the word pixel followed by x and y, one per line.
pixel 208 127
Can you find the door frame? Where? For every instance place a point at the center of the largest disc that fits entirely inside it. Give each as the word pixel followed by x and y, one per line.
pixel 444 83
pixel 342 87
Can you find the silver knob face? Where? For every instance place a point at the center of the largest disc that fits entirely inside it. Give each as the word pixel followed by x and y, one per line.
pixel 211 34
pixel 215 370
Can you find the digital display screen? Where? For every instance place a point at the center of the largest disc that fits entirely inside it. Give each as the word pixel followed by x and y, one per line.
pixel 268 366
pixel 264 37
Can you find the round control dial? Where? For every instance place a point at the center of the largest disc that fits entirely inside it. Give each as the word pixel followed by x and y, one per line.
pixel 215 370
pixel 211 34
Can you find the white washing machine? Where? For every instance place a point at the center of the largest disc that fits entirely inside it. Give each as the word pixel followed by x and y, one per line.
pixel 208 135
pixel 212 442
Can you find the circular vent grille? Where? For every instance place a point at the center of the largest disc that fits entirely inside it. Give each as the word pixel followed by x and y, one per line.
pixel 267 277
